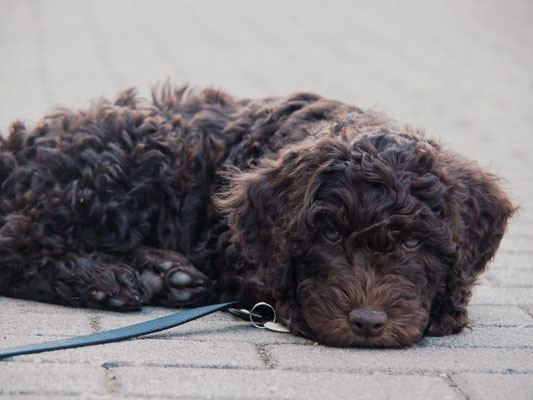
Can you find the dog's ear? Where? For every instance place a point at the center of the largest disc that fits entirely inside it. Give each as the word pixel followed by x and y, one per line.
pixel 265 208
pixel 261 204
pixel 478 214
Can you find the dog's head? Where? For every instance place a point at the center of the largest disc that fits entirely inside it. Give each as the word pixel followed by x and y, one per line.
pixel 369 239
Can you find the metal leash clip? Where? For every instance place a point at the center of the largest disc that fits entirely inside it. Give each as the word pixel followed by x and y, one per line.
pixel 262 316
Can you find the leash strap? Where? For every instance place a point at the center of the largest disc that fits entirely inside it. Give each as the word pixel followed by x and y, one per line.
pixel 115 335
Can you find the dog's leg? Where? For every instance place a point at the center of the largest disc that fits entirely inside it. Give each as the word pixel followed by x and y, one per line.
pixel 169 278
pixel 91 280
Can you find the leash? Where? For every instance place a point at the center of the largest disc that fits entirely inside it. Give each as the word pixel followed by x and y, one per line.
pixel 115 335
pixel 262 315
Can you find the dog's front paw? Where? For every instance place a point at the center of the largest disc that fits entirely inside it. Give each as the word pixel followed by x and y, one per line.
pixel 185 285
pixel 117 288
pixel 170 279
pixel 447 324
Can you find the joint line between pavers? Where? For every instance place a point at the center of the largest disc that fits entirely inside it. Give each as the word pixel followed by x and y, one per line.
pixel 454 387
pixel 265 356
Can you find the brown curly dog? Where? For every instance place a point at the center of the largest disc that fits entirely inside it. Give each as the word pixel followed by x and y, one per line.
pixel 361 233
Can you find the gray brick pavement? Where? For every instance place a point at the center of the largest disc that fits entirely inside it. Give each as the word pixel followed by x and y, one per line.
pixel 503 316
pixel 50 379
pixel 486 294
pixel 461 70
pixel 421 359
pixel 158 352
pixel 501 386
pixel 235 384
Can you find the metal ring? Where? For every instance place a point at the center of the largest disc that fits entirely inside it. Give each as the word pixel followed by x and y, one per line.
pixel 263 304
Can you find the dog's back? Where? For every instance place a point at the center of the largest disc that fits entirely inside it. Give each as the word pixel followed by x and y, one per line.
pixel 131 173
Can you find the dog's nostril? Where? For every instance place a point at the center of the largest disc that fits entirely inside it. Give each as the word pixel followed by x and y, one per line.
pixel 367 322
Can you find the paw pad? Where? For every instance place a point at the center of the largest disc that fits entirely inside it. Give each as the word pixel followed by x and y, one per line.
pixel 180 279
pixel 98 295
pixel 180 295
pixel 168 278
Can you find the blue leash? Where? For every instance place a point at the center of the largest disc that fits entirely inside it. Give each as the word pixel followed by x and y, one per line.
pixel 115 335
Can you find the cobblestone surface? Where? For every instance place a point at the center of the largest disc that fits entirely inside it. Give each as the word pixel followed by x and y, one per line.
pixel 461 70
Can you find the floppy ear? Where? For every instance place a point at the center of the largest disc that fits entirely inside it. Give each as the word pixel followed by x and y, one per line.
pixel 265 207
pixel 254 203
pixel 478 217
pixel 261 204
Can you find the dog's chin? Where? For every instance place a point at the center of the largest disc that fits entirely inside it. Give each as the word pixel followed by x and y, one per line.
pixel 344 336
pixel 333 328
pixel 339 333
pixel 326 309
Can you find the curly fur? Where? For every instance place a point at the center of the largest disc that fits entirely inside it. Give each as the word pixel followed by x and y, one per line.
pixel 199 197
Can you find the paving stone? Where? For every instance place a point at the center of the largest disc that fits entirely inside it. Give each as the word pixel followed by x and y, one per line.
pixel 68 324
pixel 504 261
pixel 515 277
pixel 528 309
pixel 237 332
pixel 61 396
pixel 485 295
pixel 18 339
pixel 484 337
pixel 38 396
pixel 18 306
pixel 50 379
pixel 231 384
pixel 503 316
pixel 517 244
pixel 495 386
pixel 84 396
pixel 157 352
pixel 524 227
pixel 413 360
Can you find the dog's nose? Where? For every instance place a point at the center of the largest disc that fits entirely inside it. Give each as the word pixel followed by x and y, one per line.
pixel 367 322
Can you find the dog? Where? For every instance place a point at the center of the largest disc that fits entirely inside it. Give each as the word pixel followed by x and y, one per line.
pixel 360 232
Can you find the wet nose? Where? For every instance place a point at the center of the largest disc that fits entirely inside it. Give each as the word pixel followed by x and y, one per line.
pixel 367 322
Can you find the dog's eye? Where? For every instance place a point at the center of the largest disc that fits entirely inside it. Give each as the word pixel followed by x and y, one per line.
pixel 411 243
pixel 332 235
